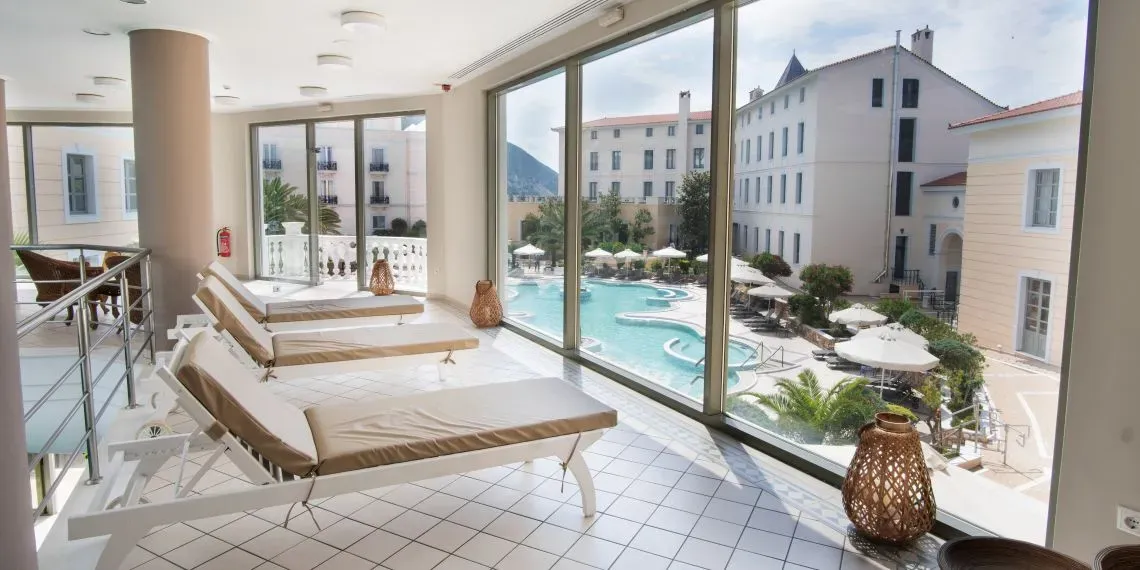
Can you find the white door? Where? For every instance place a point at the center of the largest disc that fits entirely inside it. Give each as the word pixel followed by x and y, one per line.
pixel 1037 294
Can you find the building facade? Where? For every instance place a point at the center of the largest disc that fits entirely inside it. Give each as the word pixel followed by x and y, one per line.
pixel 831 163
pixel 1021 192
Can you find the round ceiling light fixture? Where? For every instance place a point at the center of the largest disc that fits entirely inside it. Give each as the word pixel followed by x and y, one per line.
pixel 96 32
pixel 358 21
pixel 334 61
pixel 313 91
pixel 137 2
pixel 105 81
pixel 227 100
pixel 89 97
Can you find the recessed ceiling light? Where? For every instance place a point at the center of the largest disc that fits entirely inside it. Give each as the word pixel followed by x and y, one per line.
pixel 313 91
pixel 226 99
pixel 334 61
pixel 89 97
pixel 134 1
pixel 104 81
pixel 357 21
pixel 96 32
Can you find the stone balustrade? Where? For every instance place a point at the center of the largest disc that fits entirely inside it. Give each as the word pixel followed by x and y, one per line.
pixel 288 257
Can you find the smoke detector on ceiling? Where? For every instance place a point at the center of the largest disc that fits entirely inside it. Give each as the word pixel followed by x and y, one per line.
pixel 358 21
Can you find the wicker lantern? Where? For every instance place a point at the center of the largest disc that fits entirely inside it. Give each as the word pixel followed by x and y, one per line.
pixel 486 309
pixel 887 492
pixel 382 282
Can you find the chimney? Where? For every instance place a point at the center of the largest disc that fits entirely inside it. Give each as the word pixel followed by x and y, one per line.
pixel 922 44
pixel 755 94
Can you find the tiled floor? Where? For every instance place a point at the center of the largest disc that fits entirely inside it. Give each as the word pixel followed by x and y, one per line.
pixel 671 494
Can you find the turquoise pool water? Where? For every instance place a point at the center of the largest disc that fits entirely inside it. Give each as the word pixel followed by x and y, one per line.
pixel 635 346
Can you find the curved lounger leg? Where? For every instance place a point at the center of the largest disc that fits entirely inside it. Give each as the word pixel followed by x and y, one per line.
pixel 118 547
pixel 581 472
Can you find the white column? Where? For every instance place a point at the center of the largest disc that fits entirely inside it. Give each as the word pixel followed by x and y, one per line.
pixel 17 541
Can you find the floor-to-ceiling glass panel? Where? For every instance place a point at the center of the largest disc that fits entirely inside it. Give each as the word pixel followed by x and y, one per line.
pixel 19 197
pixel 395 203
pixel 336 206
pixel 284 197
pixel 646 151
pixel 532 211
pixel 897 178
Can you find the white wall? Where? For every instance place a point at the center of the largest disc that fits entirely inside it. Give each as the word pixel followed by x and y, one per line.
pixel 1099 439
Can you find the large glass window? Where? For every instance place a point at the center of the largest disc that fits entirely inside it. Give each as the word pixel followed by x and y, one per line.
pixel 397 178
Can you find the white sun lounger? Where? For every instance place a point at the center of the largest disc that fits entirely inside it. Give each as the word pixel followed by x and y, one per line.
pixel 351 346
pixel 393 307
pixel 295 456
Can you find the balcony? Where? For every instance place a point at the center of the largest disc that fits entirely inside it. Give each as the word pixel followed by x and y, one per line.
pixel 903 276
pixel 377 167
pixel 286 256
pixel 379 200
pixel 329 199
pixel 326 165
pixel 271 163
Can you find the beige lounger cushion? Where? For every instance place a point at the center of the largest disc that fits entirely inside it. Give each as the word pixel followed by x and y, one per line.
pixel 316 310
pixel 245 407
pixel 247 332
pixel 316 347
pixel 408 428
pixel 250 302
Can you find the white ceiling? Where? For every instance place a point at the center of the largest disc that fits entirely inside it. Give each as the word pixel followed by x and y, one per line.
pixel 262 49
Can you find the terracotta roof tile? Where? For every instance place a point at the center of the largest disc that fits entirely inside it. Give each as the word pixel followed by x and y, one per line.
pixel 956 179
pixel 646 119
pixel 1070 100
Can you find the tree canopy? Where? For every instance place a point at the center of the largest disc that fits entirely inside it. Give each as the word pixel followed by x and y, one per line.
pixel 771 265
pixel 282 202
pixel 826 282
pixel 694 208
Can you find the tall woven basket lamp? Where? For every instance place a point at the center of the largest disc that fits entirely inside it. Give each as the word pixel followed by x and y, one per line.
pixel 486 309
pixel 887 492
pixel 381 282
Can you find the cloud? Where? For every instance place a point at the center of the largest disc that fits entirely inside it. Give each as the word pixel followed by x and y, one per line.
pixel 1014 53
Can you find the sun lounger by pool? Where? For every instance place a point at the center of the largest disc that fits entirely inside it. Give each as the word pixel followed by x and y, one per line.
pixel 392 306
pixel 295 456
pixel 295 348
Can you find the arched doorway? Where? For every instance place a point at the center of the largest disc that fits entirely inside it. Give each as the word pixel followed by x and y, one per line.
pixel 951 263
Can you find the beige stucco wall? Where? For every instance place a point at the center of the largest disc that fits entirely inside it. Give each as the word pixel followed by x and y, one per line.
pixel 1000 251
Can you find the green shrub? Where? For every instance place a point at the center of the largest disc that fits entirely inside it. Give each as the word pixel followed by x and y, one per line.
pixel 807 309
pixel 685 265
pixel 915 320
pixel 963 387
pixel 902 411
pixel 639 264
pixel 771 265
pixel 894 308
pixel 700 268
pixel 956 356
pixel 654 265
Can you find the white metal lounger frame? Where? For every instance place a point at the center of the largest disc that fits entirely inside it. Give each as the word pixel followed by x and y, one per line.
pixel 299 370
pixel 127 520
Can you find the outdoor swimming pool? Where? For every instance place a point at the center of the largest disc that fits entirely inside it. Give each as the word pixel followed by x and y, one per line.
pixel 635 345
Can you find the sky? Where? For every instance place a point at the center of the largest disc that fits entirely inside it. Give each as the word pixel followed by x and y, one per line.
pixel 1013 52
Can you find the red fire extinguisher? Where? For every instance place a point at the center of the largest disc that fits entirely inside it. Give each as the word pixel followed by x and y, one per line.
pixel 223 242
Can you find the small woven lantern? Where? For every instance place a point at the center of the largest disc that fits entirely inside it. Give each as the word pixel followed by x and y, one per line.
pixel 382 282
pixel 887 492
pixel 486 309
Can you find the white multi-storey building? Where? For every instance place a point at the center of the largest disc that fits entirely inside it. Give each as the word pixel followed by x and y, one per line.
pixel 829 163
pixel 395 184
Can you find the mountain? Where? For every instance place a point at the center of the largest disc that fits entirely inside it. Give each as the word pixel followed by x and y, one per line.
pixel 527 176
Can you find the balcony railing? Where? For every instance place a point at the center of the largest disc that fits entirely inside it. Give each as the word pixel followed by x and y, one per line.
pixel 329 199
pixel 271 163
pixel 287 256
pixel 379 200
pixel 377 167
pixel 903 276
pixel 326 165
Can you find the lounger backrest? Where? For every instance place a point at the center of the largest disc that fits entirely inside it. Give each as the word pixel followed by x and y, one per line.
pixel 248 300
pixel 248 333
pixel 245 407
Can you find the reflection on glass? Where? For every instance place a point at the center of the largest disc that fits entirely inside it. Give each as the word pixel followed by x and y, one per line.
pixel 395 197
pixel 854 164
pixel 283 162
pixel 646 208
pixel 533 211
pixel 336 206
pixel 20 234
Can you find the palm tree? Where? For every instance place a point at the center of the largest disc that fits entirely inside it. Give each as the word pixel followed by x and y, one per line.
pixel 282 202
pixel 808 413
pixel 550 233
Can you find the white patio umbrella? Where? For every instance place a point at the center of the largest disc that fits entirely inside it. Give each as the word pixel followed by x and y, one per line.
pixel 704 258
pixel 670 253
pixel 887 353
pixel 598 254
pixel 769 291
pixel 901 334
pixel 528 250
pixel 750 275
pixel 857 315
pixel 627 254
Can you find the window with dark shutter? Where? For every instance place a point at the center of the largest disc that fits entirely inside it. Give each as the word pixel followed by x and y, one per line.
pixel 906 140
pixel 903 182
pixel 877 92
pixel 910 94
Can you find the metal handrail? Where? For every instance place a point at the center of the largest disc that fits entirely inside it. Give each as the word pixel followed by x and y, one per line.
pixel 131 298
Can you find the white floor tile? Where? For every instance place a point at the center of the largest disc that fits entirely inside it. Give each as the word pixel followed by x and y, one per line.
pixel 638 455
pixel 457 563
pixel 490 475
pixel 440 505
pixel 197 551
pixel 305 556
pixel 535 507
pixel 378 514
pixel 764 542
pixel 814 555
pixel 686 501
pixel 157 564
pixel 633 559
pixel 729 511
pixel 343 533
pixel 704 554
pixel 410 524
pixel 522 481
pixel 614 529
pixel 673 520
pixel 346 561
pixel 567 564
pixel 407 495
pixel 646 491
pixel 570 516
pixel 137 556
pixel 526 558
pixel 738 493
pixel 815 531
pixel 499 497
pixel 214 523
pixel 717 531
pixel 236 559
pixel 658 541
pixel 466 488
pixel 671 461
pixel 774 503
pixel 475 515
pixel 556 490
pixel 698 484
pixel 415 556
pixel 447 536
pixel 595 551
pixel 512 527
pixel 553 539
pixel 273 542
pixel 378 546
pixel 661 476
pixel 242 530
pixel 624 468
pixel 853 561
pixel 772 521
pixel 485 549
pixel 744 560
pixel 611 483
pixel 169 538
pixel 632 509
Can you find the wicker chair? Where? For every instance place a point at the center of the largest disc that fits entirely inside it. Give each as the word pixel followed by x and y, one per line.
pixel 134 283
pixel 65 274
